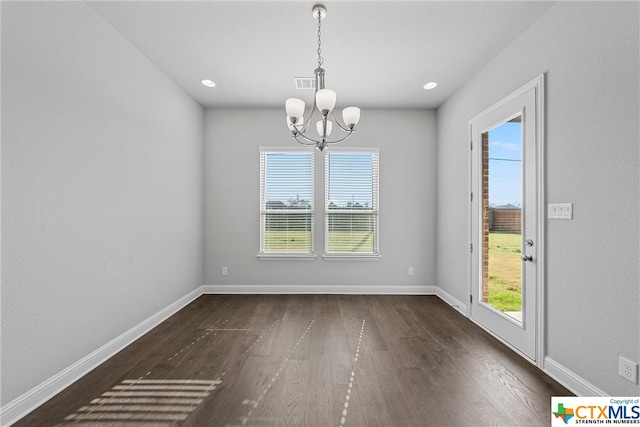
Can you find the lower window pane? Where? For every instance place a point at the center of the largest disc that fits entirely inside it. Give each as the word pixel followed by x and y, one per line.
pixel 288 232
pixel 351 233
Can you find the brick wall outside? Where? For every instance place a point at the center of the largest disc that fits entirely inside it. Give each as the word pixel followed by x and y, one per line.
pixel 485 217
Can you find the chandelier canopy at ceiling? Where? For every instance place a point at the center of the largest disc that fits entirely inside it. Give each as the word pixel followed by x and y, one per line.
pixel 324 102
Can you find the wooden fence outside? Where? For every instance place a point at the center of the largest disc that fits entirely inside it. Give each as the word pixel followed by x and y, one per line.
pixel 506 219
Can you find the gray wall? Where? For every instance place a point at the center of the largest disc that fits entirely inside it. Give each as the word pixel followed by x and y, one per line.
pixel 406 139
pixel 101 189
pixel 589 52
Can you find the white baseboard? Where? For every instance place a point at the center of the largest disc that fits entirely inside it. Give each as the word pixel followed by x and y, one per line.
pixel 21 406
pixel 576 384
pixel 453 302
pixel 320 289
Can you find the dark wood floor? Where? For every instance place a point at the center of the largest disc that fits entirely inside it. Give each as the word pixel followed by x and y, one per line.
pixel 313 360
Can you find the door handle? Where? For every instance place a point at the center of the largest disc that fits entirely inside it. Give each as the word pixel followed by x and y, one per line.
pixel 527 258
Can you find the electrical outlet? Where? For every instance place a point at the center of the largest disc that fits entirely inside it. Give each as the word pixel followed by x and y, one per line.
pixel 225 271
pixel 628 370
pixel 410 271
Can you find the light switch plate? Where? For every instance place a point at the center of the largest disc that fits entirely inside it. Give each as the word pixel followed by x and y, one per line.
pixel 560 211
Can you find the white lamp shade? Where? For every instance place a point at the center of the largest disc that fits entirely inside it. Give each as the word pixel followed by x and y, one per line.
pixel 299 123
pixel 351 116
pixel 320 130
pixel 325 99
pixel 294 107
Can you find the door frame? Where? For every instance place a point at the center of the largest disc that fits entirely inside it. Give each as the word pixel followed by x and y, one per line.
pixel 536 84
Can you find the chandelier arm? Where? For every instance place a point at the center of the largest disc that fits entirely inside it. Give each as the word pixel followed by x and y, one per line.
pixel 342 139
pixel 310 141
pixel 311 112
pixel 302 128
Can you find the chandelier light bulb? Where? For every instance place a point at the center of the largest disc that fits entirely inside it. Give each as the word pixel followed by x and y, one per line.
pixel 325 100
pixel 295 108
pixel 351 116
pixel 320 128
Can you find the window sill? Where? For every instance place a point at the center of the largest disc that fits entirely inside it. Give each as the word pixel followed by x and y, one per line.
pixel 345 257
pixel 286 257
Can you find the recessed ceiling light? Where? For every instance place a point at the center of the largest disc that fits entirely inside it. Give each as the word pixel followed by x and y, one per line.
pixel 209 83
pixel 430 85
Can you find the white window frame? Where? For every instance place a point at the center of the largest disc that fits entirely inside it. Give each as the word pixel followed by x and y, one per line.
pixel 285 256
pixel 375 209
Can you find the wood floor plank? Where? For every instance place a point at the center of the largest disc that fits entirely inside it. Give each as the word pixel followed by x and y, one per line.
pixel 262 314
pixel 354 310
pixel 433 409
pixel 369 390
pixel 319 401
pixel 267 404
pixel 294 397
pixel 339 349
pixel 304 329
pixel 404 404
pixel 386 318
pixel 353 414
pixel 351 323
pixel 290 360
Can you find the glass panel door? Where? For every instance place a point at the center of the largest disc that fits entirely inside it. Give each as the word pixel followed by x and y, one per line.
pixel 506 222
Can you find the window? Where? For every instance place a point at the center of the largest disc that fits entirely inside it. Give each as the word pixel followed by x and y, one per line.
pixel 351 202
pixel 286 202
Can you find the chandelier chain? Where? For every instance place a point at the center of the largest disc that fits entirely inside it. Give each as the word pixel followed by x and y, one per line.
pixel 320 58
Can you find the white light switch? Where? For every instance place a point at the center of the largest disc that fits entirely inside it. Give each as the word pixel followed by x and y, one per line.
pixel 560 211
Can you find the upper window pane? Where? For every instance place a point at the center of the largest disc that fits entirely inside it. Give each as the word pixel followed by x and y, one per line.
pixel 288 180
pixel 350 180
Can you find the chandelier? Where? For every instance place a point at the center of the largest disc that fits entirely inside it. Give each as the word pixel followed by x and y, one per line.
pixel 324 101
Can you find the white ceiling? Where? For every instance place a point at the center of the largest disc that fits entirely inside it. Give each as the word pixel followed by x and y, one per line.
pixel 377 54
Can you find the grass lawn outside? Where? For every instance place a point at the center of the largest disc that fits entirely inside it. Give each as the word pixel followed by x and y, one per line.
pixel 287 241
pixel 351 242
pixel 505 269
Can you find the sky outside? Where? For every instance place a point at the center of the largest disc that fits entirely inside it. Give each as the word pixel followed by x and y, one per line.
pixel 505 163
pixel 351 179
